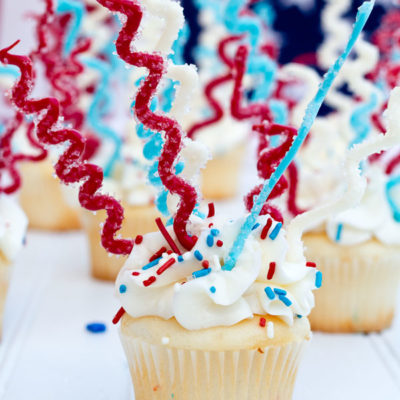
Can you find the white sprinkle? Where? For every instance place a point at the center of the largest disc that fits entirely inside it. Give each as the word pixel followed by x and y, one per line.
pixel 165 340
pixel 217 265
pixel 270 330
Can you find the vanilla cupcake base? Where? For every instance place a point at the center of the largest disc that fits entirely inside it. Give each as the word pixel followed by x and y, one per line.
pixel 42 199
pixel 138 221
pixel 4 283
pixel 221 363
pixel 359 287
pixel 220 178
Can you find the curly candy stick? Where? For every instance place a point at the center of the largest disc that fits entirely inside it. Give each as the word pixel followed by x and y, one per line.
pixel 8 159
pixel 71 167
pixel 156 64
pixel 310 115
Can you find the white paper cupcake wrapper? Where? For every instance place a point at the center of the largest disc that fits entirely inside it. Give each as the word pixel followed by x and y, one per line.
pixel 160 372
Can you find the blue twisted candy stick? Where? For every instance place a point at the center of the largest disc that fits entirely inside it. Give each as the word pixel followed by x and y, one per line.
pixel 360 119
pixel 78 11
pixel 309 117
pixel 217 7
pixel 259 63
pixel 96 112
pixel 395 206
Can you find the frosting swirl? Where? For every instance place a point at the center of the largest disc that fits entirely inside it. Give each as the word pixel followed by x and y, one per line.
pixel 196 290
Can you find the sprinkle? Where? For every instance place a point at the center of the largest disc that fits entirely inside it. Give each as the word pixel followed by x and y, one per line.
pixel 210 225
pixel 281 292
pixel 269 292
pixel 118 316
pixel 262 322
pixel 205 264
pixel 135 273
pixel 285 300
pixel 122 289
pixel 339 232
pixel 260 351
pixel 167 236
pixel 275 231
pixel 165 340
pixel 158 254
pixel 299 316
pixel 152 264
pixel 318 279
pixel 96 327
pixel 138 239
pixel 270 330
pixel 212 289
pixel 149 281
pixel 210 241
pixel 198 255
pixel 201 273
pixel 169 252
pixel 217 264
pixel 165 266
pixel 214 232
pixel 211 210
pixel 271 270
pixel 255 226
pixel 180 258
pixel 266 229
pixel 220 243
pixel 311 264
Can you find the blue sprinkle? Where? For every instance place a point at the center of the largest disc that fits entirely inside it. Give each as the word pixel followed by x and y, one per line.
pixel 96 327
pixel 152 264
pixel 122 289
pixel 214 232
pixel 339 232
pixel 318 279
pixel 180 258
pixel 212 289
pixel 299 316
pixel 255 226
pixel 269 292
pixel 285 300
pixel 280 292
pixel 200 273
pixel 275 231
pixel 210 241
pixel 198 255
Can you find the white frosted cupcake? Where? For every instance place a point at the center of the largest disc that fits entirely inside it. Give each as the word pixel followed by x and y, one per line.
pixel 13 224
pixel 194 330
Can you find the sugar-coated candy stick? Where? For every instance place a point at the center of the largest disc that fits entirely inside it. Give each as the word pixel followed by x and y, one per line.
pixel 156 64
pixel 71 166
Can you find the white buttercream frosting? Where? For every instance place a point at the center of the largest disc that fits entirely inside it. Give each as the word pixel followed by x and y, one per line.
pixel 220 298
pixel 13 225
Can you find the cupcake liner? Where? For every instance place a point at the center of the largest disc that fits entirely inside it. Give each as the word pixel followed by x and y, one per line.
pixel 138 221
pixel 4 283
pixel 359 287
pixel 42 199
pixel 162 372
pixel 220 178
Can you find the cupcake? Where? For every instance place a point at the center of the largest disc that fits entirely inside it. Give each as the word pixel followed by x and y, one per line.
pixel 13 224
pixel 192 328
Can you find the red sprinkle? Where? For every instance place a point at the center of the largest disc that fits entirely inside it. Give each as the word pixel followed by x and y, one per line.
pixel 210 225
pixel 262 322
pixel 167 236
pixel 169 252
pixel 149 281
pixel 135 273
pixel 138 239
pixel 271 270
pixel 311 264
pixel 265 230
pixel 118 316
pixel 158 254
pixel 211 210
pixel 165 266
pixel 205 264
pixel 220 243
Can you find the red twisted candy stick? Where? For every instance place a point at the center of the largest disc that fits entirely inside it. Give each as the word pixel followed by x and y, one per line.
pixel 71 167
pixel 214 84
pixel 156 65
pixel 393 163
pixel 8 159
